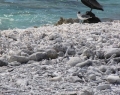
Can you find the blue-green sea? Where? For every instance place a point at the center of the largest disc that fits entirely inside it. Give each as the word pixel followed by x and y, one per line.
pixel 28 13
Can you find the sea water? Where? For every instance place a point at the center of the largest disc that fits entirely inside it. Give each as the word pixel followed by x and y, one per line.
pixel 29 13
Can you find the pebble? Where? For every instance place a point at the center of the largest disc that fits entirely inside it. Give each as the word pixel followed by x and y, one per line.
pixel 112 51
pixel 117 59
pixel 92 77
pixel 38 56
pixel 89 53
pixel 22 82
pixel 58 40
pixel 103 68
pixel 53 36
pixel 103 87
pixel 57 78
pixel 85 63
pixel 113 79
pixel 71 52
pixel 60 47
pixel 100 54
pixel 21 59
pixel 51 53
pixel 73 61
pixel 85 92
pixel 75 79
pixel 27 51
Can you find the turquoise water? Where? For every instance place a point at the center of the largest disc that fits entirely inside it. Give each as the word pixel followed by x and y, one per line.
pixel 28 13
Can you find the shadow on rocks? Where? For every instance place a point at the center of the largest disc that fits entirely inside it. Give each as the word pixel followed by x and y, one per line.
pixel 2 63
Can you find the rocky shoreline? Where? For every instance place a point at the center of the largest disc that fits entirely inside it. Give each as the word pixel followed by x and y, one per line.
pixel 68 59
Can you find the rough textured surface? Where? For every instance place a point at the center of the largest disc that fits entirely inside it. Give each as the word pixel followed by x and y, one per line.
pixel 94 19
pixel 69 59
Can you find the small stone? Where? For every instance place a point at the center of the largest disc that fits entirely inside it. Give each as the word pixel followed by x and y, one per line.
pixel 60 54
pixel 85 63
pixel 73 61
pixel 113 79
pixel 86 93
pixel 89 53
pixel 38 56
pixel 22 82
pixel 43 35
pixel 117 59
pixel 108 71
pixel 60 48
pixel 71 52
pixel 103 87
pixel 14 63
pixel 24 54
pixel 103 68
pixel 100 54
pixel 53 36
pixel 27 51
pixel 59 39
pixel 92 77
pixel 112 51
pixel 51 53
pixel 57 78
pixel 75 79
pixel 21 59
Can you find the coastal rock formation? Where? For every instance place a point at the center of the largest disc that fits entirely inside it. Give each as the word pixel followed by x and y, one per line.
pixel 94 19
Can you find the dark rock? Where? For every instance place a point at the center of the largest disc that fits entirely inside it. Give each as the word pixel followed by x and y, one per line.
pixel 51 53
pixel 90 14
pixel 71 52
pixel 2 63
pixel 94 19
pixel 38 56
pixel 117 59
